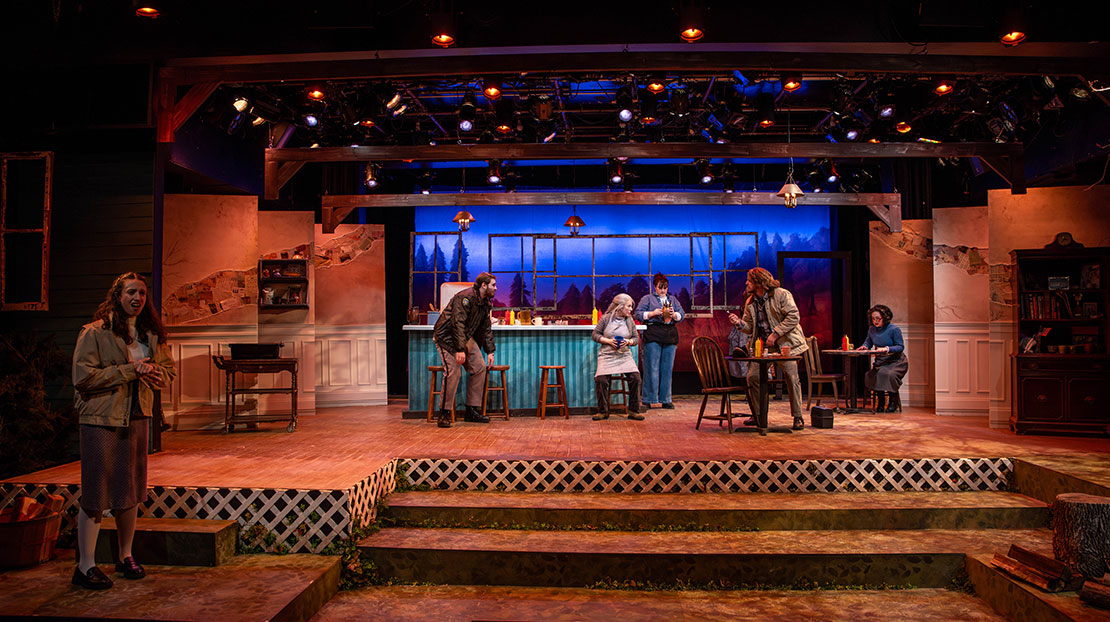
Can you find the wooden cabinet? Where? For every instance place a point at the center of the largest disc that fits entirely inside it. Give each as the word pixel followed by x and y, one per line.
pixel 283 284
pixel 1061 371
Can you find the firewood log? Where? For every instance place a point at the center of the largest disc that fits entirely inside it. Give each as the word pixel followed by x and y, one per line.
pixel 1081 532
pixel 1096 594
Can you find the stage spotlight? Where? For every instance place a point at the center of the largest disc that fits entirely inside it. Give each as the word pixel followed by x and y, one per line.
pixel 241 103
pixel 491 88
pixel 624 104
pixel 147 8
pixel 542 107
pixel 791 81
pixel 649 105
pixel 441 18
pixel 656 85
pixel 886 104
pixel 691 16
pixel 311 121
pixel 315 93
pixel 546 131
pixel 628 184
pixel 765 110
pixel 852 134
pixel 424 183
pixel 370 175
pixel 903 127
pixel 391 100
pixel 493 173
pixel 616 174
pixel 504 112
pixel 705 175
pixel 468 112
pixel 1013 25
pixel 943 86
pixel 831 176
pixel 679 102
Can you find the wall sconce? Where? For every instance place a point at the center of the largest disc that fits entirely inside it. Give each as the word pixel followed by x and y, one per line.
pixel 574 222
pixel 463 219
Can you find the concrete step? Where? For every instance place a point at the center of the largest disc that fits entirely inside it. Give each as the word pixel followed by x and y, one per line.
pixel 918 558
pixel 763 511
pixel 1018 600
pixel 465 603
pixel 248 588
pixel 173 541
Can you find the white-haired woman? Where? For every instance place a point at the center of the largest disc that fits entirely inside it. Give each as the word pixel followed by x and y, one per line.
pixel 616 332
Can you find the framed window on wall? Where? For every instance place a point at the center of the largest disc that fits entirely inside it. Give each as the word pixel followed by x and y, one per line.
pixel 25 201
pixel 435 257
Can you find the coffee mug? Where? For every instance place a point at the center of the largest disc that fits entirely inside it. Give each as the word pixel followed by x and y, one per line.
pixel 786 350
pixel 537 321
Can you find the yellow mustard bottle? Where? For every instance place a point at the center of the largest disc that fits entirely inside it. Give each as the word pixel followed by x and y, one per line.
pixel 512 317
pixel 758 348
pixel 594 316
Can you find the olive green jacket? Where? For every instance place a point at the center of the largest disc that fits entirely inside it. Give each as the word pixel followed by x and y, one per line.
pixel 104 379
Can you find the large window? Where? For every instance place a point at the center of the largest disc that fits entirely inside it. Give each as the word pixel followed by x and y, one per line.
pixel 571 275
pixel 25 182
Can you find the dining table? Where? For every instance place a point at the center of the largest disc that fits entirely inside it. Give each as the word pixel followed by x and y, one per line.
pixel 851 358
pixel 765 397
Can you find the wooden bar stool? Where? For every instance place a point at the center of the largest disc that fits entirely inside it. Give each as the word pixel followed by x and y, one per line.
pixel 433 392
pixel 618 385
pixel 503 390
pixel 559 385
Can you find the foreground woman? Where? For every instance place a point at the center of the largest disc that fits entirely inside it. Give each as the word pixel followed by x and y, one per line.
pixel 661 312
pixel 616 332
pixel 120 359
pixel 888 370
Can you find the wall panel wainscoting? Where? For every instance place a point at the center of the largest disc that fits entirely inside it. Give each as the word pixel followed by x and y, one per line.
pixel 963 351
pixel 918 388
pixel 350 365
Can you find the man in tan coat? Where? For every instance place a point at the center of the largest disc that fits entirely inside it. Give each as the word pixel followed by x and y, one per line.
pixel 771 315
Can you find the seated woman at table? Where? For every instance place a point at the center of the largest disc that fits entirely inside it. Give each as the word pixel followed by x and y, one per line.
pixel 887 370
pixel 616 332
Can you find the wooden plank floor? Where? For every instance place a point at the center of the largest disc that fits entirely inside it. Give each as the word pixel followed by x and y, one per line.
pixel 337 447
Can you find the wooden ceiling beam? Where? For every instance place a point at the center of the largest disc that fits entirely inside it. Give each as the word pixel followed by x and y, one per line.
pixel 888 206
pixel 943 59
pixel 571 151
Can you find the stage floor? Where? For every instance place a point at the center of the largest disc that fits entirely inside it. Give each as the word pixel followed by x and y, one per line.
pixel 337 447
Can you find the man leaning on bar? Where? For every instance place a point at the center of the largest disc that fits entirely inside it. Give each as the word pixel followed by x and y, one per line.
pixel 461 327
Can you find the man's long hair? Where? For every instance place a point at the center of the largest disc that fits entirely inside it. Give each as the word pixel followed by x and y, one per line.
pixel 111 312
pixel 760 277
pixel 482 279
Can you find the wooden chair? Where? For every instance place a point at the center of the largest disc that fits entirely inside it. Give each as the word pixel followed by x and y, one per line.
pixel 714 380
pixel 814 375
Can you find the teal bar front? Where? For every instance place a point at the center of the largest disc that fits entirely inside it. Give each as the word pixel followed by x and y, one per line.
pixel 523 349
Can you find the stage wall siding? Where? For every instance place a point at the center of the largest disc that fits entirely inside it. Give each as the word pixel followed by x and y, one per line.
pixel 902 279
pixel 1031 221
pixel 961 287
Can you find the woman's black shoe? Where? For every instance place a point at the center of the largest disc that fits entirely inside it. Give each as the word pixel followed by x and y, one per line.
pixel 668 405
pixel 130 568
pixel 94 579
pixel 895 404
pixel 880 401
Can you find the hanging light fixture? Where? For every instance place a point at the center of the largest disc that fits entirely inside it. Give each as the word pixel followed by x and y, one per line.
pixel 790 190
pixel 463 219
pixel 574 222
pixel 691 16
pixel 150 9
pixel 442 21
pixel 370 176
pixel 491 88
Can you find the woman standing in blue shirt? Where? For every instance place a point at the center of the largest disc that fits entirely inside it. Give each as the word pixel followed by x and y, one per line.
pixel 660 312
pixel 888 370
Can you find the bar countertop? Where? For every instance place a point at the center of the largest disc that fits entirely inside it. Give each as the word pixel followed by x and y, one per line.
pixel 588 327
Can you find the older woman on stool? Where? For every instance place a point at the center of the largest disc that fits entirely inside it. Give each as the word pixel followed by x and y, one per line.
pixel 888 370
pixel 616 332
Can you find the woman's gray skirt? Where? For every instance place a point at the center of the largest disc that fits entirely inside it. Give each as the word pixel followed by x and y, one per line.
pixel 887 376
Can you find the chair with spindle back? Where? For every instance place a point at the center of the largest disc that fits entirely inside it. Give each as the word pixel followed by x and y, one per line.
pixel 714 380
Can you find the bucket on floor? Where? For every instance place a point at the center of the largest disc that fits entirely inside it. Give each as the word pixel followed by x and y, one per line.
pixel 28 542
pixel 821 417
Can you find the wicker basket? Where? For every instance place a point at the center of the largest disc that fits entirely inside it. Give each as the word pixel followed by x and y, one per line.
pixel 27 542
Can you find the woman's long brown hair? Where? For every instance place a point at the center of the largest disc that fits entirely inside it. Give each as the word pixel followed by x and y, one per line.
pixel 114 317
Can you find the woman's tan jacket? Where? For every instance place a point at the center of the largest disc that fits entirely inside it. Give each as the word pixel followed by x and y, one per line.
pixel 105 379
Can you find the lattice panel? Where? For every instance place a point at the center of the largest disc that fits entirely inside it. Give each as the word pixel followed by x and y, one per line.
pixel 363 501
pixel 917 474
pixel 70 492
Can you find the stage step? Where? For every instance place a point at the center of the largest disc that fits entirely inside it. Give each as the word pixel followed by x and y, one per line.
pixel 283 588
pixel 918 558
pixel 1018 600
pixel 465 603
pixel 173 541
pixel 729 511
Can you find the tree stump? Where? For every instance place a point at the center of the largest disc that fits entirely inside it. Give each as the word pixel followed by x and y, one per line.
pixel 1081 532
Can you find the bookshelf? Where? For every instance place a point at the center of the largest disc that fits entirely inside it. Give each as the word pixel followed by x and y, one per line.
pixel 283 284
pixel 1062 363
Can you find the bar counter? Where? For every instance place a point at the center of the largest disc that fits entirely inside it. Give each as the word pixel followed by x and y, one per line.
pixel 523 349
